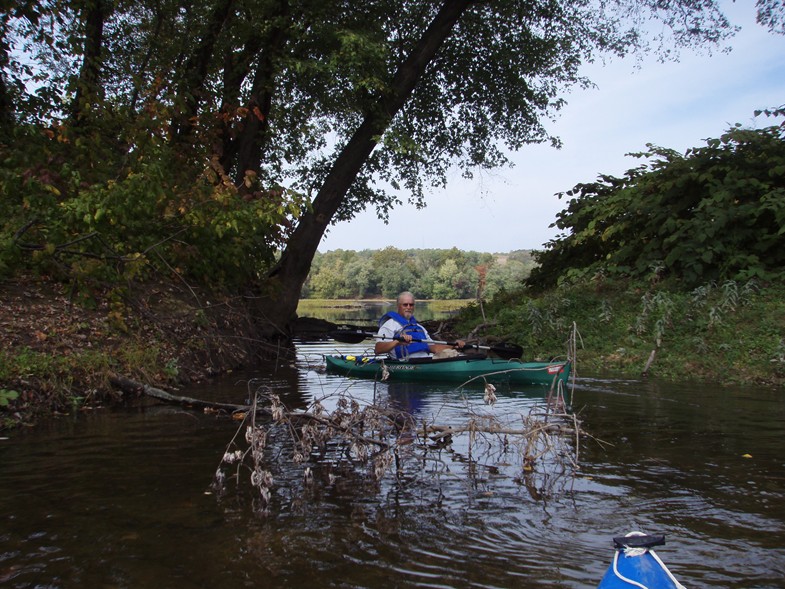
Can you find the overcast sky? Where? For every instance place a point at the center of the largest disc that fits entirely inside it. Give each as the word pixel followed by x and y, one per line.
pixel 673 105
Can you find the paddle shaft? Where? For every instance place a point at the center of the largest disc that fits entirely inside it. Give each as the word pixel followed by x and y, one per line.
pixel 424 341
pixel 356 336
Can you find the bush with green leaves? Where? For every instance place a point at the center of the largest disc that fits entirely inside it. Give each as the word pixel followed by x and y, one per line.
pixel 716 213
pixel 158 214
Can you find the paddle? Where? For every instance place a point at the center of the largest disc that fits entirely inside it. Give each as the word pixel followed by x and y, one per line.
pixel 355 336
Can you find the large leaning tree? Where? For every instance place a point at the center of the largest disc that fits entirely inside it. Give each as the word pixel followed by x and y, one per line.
pixel 318 108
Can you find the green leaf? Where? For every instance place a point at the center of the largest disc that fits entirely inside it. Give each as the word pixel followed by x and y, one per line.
pixel 6 396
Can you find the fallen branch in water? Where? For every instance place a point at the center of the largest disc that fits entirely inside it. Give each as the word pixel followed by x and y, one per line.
pixel 441 431
pixel 134 387
pixel 358 434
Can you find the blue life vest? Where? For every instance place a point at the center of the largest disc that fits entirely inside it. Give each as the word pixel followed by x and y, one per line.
pixel 410 327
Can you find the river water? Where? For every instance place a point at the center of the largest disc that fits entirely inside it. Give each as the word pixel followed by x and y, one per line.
pixel 123 497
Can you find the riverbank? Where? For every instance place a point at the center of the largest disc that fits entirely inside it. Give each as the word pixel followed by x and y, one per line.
pixel 727 333
pixel 57 354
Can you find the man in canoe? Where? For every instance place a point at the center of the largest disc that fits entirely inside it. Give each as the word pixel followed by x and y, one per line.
pixel 401 336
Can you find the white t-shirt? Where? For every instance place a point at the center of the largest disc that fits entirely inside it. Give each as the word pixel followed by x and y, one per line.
pixel 387 332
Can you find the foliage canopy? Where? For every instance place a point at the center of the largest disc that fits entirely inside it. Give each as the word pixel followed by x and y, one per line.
pixel 201 138
pixel 715 213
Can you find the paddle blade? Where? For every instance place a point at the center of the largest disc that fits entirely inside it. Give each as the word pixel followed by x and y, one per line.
pixel 349 336
pixel 507 351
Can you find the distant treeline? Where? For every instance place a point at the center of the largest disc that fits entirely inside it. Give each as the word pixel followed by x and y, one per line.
pixel 428 273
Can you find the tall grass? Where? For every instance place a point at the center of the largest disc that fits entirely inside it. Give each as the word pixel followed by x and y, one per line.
pixel 729 332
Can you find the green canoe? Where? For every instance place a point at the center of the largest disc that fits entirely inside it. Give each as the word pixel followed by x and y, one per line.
pixel 461 368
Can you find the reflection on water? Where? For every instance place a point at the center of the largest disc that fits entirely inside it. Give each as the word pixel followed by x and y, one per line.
pixel 120 497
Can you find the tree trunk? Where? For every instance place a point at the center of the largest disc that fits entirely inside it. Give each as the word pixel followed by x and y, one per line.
pixel 236 71
pixel 196 69
pixel 7 106
pixel 88 88
pixel 287 278
pixel 248 149
pixel 141 73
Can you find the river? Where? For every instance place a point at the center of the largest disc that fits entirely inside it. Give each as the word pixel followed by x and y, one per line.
pixel 123 496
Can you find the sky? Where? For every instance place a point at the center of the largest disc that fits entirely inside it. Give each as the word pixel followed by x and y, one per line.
pixel 676 105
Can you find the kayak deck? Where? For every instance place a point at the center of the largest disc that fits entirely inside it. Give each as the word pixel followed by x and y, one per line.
pixel 635 564
pixel 460 368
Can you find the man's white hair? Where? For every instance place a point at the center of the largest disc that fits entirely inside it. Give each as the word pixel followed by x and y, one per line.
pixel 405 294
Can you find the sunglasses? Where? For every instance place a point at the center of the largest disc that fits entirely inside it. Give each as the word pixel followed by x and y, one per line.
pixel 407 304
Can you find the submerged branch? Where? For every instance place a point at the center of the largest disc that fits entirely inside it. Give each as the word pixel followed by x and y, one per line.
pixel 367 435
pixel 133 387
pixel 442 431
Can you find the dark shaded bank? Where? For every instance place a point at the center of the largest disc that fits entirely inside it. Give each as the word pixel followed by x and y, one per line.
pixel 58 352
